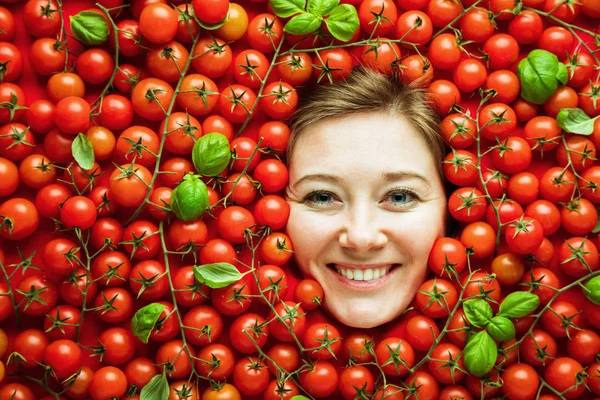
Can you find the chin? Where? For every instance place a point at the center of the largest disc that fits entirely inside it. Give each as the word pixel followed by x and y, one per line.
pixel 362 314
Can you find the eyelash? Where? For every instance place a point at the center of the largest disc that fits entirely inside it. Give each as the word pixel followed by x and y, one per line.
pixel 393 191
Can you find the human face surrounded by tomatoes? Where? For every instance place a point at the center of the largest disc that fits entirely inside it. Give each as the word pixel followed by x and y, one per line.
pixel 366 205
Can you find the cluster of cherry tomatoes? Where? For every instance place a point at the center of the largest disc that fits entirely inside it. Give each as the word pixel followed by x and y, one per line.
pixel 84 248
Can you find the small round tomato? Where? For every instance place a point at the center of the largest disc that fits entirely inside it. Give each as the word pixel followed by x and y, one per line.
pixel 296 68
pixel 203 324
pixel 47 56
pixel 235 25
pixel 236 103
pixel 148 280
pixel 578 257
pixel 166 61
pixel 111 268
pixel 395 356
pixel 216 361
pixel 444 94
pixel 332 65
pixel 140 371
pixel 194 87
pixel 444 52
pixel 436 298
pixel 564 375
pixel 151 98
pixel 264 33
pixel 114 305
pixel 470 75
pixel 78 212
pixel 212 57
pixel 129 184
pixel 158 23
pixel 477 25
pixel 72 115
pixel 108 383
pixel 19 218
pixel 421 332
pixel 497 120
pixel 64 357
pixel 447 256
pixel 250 376
pixel 211 11
pixel 16 141
pixel 116 112
pixel 377 17
pixel 95 66
pixel 11 62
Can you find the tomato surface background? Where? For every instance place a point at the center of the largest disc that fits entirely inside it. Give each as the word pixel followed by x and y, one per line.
pixel 34 88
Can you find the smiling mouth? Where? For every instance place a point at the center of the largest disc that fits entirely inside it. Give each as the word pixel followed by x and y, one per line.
pixel 369 274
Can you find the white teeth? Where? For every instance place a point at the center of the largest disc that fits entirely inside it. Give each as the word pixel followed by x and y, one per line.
pixel 376 273
pixel 368 274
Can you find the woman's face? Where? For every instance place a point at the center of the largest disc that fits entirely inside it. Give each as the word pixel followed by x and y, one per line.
pixel 366 205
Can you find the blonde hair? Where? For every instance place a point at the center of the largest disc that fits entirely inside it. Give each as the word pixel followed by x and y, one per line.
pixel 366 90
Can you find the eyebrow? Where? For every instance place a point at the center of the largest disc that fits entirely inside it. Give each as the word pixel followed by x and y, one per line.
pixel 386 176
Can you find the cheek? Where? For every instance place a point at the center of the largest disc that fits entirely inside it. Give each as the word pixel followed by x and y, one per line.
pixel 307 234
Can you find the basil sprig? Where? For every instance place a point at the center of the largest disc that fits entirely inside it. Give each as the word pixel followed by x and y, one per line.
pixel 592 290
pixel 217 275
pixel 211 154
pixel 189 199
pixel 481 351
pixel 540 74
pixel 156 389
pixel 308 16
pixel 89 27
pixel 480 354
pixel 145 320
pixel 575 120
pixel 83 151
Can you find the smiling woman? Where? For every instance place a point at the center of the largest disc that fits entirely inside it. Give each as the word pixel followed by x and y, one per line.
pixel 366 193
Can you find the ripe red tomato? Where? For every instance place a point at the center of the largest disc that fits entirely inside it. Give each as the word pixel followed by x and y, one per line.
pixel 20 218
pixel 321 380
pixel 436 298
pixel 215 361
pixel 563 374
pixel 107 383
pixel 204 325
pixel 158 23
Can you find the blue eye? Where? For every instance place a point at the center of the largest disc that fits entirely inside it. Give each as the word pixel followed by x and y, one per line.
pixel 399 197
pixel 318 197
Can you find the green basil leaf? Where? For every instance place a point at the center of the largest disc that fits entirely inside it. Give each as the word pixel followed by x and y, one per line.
pixel 538 75
pixel 343 22
pixel 478 312
pixel 189 199
pixel 89 27
pixel 480 354
pixel 211 154
pixel 302 24
pixel 575 120
pixel 287 8
pixel 322 7
pixel 501 329
pixel 217 275
pixel 519 304
pixel 83 151
pixel 597 227
pixel 592 290
pixel 145 319
pixel 156 389
pixel 562 75
pixel 299 398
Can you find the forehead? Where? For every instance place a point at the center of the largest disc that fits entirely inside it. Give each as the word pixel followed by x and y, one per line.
pixel 361 145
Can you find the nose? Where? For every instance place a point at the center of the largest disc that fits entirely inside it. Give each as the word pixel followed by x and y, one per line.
pixel 363 231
